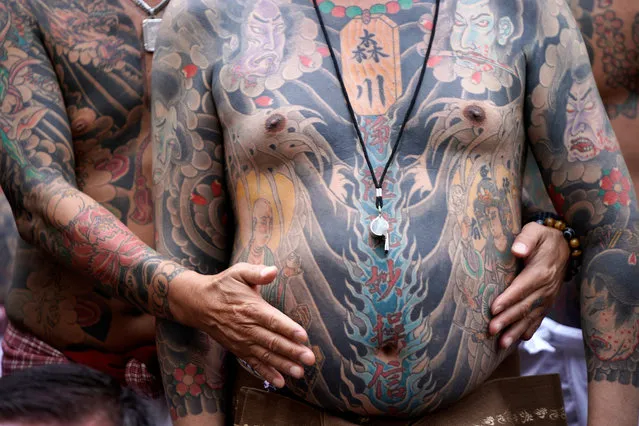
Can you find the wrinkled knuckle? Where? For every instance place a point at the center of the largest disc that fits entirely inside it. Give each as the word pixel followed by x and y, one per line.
pixel 254 363
pixel 545 273
pixel 525 311
pixel 273 344
pixel 247 310
pixel 238 313
pixel 272 322
pixel 266 356
pixel 520 295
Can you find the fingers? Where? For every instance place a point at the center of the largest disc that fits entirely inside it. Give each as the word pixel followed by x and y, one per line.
pixel 530 236
pixel 282 347
pixel 515 332
pixel 266 371
pixel 527 308
pixel 532 329
pixel 277 322
pixel 528 281
pixel 254 274
pixel 281 364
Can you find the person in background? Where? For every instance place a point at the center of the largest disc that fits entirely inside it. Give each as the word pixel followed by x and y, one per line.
pixel 62 395
pixel 75 155
pixel 610 30
pixel 8 242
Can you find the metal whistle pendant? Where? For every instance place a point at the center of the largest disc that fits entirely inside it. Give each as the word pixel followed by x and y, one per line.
pixel 379 228
pixel 150 28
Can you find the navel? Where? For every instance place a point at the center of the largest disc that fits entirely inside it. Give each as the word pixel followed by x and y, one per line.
pixel 388 352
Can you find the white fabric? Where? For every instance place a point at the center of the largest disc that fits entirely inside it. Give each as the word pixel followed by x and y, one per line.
pixel 556 348
pixel 160 412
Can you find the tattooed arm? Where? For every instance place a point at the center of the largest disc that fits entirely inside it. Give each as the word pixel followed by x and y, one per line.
pixel 579 158
pixel 54 215
pixel 38 177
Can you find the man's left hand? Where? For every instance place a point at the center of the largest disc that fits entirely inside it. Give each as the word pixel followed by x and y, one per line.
pixel 519 310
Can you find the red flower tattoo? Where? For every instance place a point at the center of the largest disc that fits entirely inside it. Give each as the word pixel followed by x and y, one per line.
pixel 189 380
pixel 615 188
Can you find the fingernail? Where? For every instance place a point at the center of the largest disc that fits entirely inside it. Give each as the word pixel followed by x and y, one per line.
pixel 520 248
pixel 498 327
pixel 507 342
pixel 296 372
pixel 267 271
pixel 498 309
pixel 308 358
pixel 279 383
pixel 300 336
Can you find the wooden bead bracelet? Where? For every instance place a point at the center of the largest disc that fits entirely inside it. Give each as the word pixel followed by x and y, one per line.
pixel 551 220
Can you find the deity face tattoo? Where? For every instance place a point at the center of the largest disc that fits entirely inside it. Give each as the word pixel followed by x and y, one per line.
pixel 585 136
pixel 263 48
pixel 262 222
pixel 476 29
pixel 616 334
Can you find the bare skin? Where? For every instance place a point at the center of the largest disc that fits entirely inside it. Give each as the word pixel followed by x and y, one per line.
pixel 255 119
pixel 76 155
pixel 74 96
pixel 609 29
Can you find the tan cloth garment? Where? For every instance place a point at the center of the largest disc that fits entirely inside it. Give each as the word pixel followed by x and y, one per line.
pixel 533 400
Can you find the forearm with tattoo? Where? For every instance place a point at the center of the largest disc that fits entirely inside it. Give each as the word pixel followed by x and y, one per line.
pixel 39 179
pixel 593 190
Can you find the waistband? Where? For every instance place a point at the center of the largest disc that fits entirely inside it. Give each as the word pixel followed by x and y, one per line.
pixel 507 401
pixel 137 369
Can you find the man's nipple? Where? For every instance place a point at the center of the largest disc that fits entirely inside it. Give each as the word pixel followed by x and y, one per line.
pixel 475 114
pixel 275 123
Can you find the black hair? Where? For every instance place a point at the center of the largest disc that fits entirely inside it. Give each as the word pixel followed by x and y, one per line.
pixel 69 393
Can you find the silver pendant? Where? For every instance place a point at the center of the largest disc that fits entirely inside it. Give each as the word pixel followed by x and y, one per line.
pixel 379 227
pixel 150 28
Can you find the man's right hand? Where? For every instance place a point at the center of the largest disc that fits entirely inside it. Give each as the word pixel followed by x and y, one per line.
pixel 228 307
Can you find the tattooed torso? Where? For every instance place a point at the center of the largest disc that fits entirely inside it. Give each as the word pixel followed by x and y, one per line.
pixel 94 51
pixel 400 332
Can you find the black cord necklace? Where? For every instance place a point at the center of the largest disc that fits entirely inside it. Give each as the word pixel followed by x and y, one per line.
pixel 379 226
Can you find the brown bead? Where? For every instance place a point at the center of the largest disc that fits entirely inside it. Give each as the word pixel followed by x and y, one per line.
pixel 549 221
pixel 576 253
pixel 574 243
pixel 560 225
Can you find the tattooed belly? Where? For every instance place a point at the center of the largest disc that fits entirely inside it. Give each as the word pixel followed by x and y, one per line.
pixel 391 338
